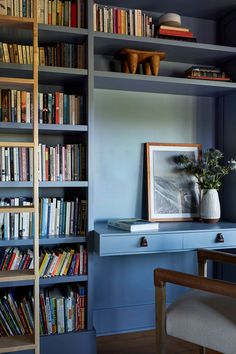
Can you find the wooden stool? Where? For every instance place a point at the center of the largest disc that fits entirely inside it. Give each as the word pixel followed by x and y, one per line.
pixel 130 58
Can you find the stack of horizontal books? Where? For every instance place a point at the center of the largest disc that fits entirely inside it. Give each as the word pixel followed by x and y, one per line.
pixel 206 73
pixel 176 33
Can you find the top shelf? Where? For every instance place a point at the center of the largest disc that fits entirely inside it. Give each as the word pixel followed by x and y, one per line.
pixel 203 9
pixel 176 51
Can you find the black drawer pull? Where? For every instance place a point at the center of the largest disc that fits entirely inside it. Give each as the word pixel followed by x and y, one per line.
pixel 143 242
pixel 220 237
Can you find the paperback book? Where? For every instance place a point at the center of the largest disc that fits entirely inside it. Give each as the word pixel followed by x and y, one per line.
pixel 133 224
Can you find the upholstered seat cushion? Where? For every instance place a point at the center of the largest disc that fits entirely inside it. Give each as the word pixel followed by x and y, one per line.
pixel 204 318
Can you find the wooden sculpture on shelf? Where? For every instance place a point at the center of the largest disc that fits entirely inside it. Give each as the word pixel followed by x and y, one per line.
pixel 130 58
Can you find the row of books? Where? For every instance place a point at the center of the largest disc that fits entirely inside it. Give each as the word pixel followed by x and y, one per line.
pixel 16 53
pixel 19 8
pixel 16 164
pixel 56 217
pixel 206 72
pixel 67 55
pixel 16 225
pixel 61 310
pixel 122 21
pixel 63 262
pixel 52 262
pixel 62 13
pixel 56 164
pixel 53 108
pixel 60 217
pixel 13 258
pixel 62 163
pixel 61 54
pixel 60 108
pixel 16 313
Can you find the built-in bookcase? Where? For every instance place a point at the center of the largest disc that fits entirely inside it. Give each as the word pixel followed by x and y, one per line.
pixel 50 80
pixel 102 72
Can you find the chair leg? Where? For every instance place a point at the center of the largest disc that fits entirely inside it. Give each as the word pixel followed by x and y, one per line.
pixel 202 350
pixel 160 342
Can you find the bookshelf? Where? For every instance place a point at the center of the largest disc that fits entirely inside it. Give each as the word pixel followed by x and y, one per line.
pixel 97 76
pixel 46 79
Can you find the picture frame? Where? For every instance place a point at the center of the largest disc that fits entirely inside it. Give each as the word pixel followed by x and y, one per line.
pixel 173 195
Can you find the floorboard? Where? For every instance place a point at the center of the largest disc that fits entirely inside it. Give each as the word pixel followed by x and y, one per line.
pixel 142 343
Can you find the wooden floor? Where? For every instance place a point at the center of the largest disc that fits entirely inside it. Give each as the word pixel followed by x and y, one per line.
pixel 142 343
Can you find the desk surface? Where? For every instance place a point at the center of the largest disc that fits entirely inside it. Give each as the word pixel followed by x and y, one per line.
pixel 171 237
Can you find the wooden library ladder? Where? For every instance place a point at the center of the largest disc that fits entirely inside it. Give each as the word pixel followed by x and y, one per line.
pixel 25 342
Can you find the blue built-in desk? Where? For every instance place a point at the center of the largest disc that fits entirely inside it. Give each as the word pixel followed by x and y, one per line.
pixel 124 296
pixel 171 237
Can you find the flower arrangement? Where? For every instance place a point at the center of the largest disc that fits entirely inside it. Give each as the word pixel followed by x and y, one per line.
pixel 207 170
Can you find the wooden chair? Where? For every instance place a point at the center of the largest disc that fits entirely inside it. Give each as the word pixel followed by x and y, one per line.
pixel 205 315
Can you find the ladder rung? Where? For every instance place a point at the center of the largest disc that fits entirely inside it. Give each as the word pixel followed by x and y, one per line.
pixel 16 275
pixel 16 144
pixel 26 22
pixel 16 209
pixel 16 82
pixel 16 343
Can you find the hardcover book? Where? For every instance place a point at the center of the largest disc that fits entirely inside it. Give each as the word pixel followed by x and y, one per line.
pixel 133 224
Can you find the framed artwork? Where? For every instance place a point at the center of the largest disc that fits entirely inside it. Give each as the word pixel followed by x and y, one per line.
pixel 173 195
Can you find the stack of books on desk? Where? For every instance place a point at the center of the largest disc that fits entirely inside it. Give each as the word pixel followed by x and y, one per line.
pixel 133 224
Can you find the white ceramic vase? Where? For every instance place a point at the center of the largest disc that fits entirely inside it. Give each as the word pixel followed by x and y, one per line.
pixel 210 206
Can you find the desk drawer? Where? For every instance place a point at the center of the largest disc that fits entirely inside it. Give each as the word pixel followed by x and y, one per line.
pixel 131 244
pixel 209 239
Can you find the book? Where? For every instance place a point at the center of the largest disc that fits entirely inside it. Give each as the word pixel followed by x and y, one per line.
pixel 180 38
pixel 182 29
pixel 133 224
pixel 171 32
pixel 208 78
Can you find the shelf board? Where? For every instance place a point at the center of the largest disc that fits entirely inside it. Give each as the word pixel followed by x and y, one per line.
pixel 176 51
pixel 16 343
pixel 162 84
pixel 26 128
pixel 61 76
pixel 55 128
pixel 12 70
pixel 17 22
pixel 52 33
pixel 75 184
pixel 17 275
pixel 66 184
pixel 13 184
pixel 63 279
pixel 51 75
pixel 44 241
pixel 201 8
pixel 60 240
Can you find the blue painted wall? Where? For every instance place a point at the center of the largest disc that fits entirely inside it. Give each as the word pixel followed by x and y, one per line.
pixel 123 286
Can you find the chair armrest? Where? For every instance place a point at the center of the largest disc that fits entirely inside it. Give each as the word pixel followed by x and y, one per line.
pixel 217 256
pixel 162 276
pixel 204 255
